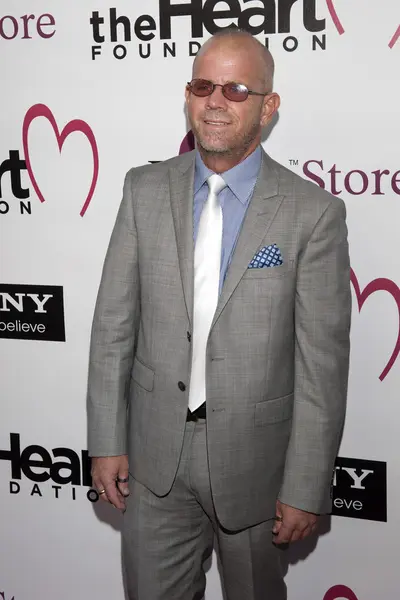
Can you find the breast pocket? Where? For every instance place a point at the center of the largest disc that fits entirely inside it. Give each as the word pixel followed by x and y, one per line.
pixel 269 272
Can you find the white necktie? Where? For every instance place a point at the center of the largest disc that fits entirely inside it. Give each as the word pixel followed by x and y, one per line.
pixel 207 264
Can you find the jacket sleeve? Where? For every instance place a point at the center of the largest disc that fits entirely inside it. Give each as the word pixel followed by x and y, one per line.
pixel 113 335
pixel 322 327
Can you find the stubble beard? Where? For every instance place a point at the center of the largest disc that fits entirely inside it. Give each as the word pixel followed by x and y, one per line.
pixel 237 146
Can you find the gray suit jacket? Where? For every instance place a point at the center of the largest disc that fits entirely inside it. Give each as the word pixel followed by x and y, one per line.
pixel 278 351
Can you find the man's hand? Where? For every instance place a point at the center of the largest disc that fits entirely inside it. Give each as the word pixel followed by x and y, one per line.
pixel 292 524
pixel 106 473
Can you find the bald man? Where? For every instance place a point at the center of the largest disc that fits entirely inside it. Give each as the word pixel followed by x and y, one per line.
pixel 220 347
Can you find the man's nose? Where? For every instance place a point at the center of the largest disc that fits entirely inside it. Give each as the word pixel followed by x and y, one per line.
pixel 216 99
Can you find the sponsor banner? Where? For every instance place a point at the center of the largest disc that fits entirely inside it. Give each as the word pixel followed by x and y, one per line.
pixel 356 182
pixel 32 312
pixel 27 27
pixel 360 489
pixel 57 473
pixel 15 165
pixel 122 34
pixel 101 91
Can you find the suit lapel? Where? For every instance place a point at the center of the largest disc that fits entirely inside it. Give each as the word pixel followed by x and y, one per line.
pixel 259 216
pixel 181 197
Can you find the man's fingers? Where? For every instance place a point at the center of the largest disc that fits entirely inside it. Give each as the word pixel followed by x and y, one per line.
pixel 289 534
pixel 310 530
pixel 114 496
pixel 284 535
pixel 123 488
pixel 122 482
pixel 103 495
pixel 307 531
pixel 110 478
pixel 99 487
pixel 111 494
pixel 296 535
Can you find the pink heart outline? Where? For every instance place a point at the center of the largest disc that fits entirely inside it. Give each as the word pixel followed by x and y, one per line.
pixel 41 110
pixel 379 285
pixel 340 591
pixel 334 16
pixel 340 28
pixel 394 38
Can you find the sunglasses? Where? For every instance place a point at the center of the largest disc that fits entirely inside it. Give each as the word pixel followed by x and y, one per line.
pixel 237 92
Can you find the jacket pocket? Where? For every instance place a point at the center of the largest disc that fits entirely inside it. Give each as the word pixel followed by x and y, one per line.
pixel 269 272
pixel 143 375
pixel 273 411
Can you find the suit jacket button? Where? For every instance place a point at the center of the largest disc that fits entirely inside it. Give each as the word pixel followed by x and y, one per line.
pixel 181 386
pixel 189 336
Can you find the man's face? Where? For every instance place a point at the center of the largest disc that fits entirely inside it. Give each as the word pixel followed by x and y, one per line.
pixel 222 126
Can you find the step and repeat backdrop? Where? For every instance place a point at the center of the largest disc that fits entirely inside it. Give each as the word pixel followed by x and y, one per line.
pixel 90 89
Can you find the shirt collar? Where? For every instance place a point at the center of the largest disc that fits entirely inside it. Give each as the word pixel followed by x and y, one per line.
pixel 240 179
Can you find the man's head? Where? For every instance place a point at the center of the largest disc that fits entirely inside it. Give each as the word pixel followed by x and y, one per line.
pixel 223 127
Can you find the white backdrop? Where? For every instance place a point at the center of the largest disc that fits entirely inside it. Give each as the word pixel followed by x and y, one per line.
pixel 79 124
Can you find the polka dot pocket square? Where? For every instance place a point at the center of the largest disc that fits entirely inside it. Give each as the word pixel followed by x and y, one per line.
pixel 268 256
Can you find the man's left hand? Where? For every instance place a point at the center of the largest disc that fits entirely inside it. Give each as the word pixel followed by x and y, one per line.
pixel 292 524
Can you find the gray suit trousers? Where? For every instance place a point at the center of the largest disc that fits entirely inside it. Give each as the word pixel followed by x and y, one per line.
pixel 166 540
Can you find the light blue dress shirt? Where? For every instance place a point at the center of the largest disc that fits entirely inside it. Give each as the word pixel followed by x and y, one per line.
pixel 234 200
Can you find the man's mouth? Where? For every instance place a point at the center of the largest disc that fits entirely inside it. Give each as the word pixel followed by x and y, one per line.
pixel 216 123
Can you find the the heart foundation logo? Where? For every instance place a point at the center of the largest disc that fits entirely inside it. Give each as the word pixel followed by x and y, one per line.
pixel 40 110
pixel 379 285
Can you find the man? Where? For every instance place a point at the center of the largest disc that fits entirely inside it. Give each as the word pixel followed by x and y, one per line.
pixel 220 345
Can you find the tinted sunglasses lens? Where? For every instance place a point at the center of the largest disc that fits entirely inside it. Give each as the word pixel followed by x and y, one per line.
pixel 201 87
pixel 235 92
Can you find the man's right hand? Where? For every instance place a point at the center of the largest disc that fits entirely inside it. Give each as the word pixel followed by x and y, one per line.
pixel 106 471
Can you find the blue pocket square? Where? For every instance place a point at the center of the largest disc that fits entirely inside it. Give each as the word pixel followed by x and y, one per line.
pixel 268 256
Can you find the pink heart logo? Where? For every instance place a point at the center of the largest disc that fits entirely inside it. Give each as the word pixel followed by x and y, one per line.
pixel 379 285
pixel 40 110
pixel 340 27
pixel 340 591
pixel 334 16
pixel 394 38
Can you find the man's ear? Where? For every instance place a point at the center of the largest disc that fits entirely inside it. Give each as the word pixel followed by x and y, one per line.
pixel 271 104
pixel 187 94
